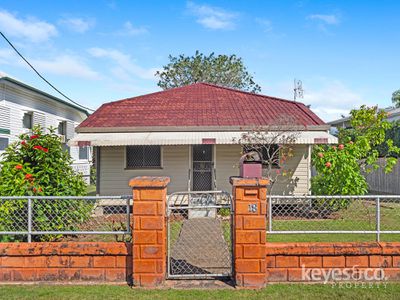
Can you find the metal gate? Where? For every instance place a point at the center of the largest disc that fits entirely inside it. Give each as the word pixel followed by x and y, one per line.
pixel 199 234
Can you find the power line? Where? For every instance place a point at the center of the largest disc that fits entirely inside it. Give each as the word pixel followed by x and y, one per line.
pixel 40 75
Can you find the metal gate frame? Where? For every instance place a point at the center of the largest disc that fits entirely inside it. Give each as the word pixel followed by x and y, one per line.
pixel 183 203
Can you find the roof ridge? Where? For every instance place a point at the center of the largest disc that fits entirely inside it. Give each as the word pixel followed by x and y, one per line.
pixel 211 85
pixel 248 93
pixel 145 95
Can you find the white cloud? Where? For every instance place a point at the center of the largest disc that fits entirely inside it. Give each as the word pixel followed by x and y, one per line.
pixel 332 98
pixel 326 19
pixel 130 30
pixel 124 66
pixel 30 28
pixel 212 17
pixel 66 65
pixel 79 25
pixel 265 24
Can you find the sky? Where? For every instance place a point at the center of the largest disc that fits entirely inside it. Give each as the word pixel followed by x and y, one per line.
pixel 346 53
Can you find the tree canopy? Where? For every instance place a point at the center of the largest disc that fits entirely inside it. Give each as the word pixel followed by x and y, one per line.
pixel 396 98
pixel 225 70
pixel 341 168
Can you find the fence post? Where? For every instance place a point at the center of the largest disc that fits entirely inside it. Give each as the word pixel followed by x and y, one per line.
pixel 249 231
pixel 149 230
pixel 29 220
pixel 378 219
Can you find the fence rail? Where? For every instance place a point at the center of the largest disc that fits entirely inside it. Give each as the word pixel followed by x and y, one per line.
pixel 371 214
pixel 52 216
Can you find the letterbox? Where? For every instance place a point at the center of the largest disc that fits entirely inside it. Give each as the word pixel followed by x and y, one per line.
pixel 250 165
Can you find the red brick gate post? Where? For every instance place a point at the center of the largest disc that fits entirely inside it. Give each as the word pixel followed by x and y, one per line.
pixel 149 230
pixel 249 231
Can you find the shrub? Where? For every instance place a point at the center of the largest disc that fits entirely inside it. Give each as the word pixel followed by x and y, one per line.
pixel 36 165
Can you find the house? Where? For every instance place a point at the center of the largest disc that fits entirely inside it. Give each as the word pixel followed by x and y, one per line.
pixel 23 106
pixel 190 134
pixel 393 114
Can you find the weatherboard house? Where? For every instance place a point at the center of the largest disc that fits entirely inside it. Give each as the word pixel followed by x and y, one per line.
pixel 190 134
pixel 23 106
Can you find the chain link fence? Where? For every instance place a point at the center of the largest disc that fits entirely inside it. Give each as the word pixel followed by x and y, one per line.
pixel 334 218
pixel 199 235
pixel 63 218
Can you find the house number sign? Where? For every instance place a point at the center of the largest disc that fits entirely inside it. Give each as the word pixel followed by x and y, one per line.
pixel 253 208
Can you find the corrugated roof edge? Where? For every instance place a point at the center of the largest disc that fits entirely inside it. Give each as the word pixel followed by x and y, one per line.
pixel 24 85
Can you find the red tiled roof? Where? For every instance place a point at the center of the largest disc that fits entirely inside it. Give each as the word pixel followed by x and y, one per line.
pixel 200 104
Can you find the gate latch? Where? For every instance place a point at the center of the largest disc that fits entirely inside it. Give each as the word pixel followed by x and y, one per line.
pixel 252 208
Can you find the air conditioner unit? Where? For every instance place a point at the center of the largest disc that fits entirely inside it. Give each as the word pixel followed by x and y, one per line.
pixel 63 139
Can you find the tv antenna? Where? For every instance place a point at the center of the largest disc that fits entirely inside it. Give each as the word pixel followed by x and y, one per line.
pixel 297 89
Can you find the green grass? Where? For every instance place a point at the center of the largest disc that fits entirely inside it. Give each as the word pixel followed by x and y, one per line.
pixel 175 228
pixel 277 291
pixel 360 215
pixel 91 190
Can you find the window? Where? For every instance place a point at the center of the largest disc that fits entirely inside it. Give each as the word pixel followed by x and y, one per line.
pixel 3 143
pixel 269 153
pixel 83 152
pixel 62 128
pixel 143 157
pixel 27 120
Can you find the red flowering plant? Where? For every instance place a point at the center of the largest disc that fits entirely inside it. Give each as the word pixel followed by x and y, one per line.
pixel 341 168
pixel 37 165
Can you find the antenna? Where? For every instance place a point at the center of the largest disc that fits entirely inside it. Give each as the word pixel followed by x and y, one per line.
pixel 297 89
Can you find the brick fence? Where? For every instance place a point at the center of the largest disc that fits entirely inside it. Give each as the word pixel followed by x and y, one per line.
pixel 291 262
pixel 143 262
pixel 71 261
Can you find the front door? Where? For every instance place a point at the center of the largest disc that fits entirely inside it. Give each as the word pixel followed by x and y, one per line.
pixel 202 167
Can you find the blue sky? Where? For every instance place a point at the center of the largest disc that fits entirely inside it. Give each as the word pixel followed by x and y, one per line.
pixel 345 52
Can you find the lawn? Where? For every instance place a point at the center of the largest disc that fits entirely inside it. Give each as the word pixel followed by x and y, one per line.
pixel 360 215
pixel 276 291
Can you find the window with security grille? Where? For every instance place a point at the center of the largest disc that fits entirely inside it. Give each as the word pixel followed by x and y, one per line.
pixel 62 128
pixel 3 143
pixel 143 157
pixel 269 153
pixel 83 152
pixel 27 120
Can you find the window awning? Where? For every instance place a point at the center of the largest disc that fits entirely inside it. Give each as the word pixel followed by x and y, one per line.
pixel 186 138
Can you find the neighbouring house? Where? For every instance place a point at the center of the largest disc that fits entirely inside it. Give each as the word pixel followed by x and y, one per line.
pixel 190 134
pixel 393 114
pixel 23 106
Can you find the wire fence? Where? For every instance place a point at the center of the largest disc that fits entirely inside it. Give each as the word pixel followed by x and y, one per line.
pixel 310 217
pixel 53 218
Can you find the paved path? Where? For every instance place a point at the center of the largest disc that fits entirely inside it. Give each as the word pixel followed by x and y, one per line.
pixel 201 248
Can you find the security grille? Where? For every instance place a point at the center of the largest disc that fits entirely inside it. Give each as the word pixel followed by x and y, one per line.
pixel 199 235
pixel 202 168
pixel 143 156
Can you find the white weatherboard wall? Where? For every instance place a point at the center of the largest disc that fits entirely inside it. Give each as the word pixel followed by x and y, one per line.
pixel 17 101
pixel 114 178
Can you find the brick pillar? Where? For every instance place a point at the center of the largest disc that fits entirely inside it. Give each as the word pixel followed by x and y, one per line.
pixel 149 230
pixel 249 231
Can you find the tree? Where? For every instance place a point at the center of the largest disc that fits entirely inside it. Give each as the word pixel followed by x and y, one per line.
pixel 275 147
pixel 36 165
pixel 222 70
pixel 396 98
pixel 341 168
